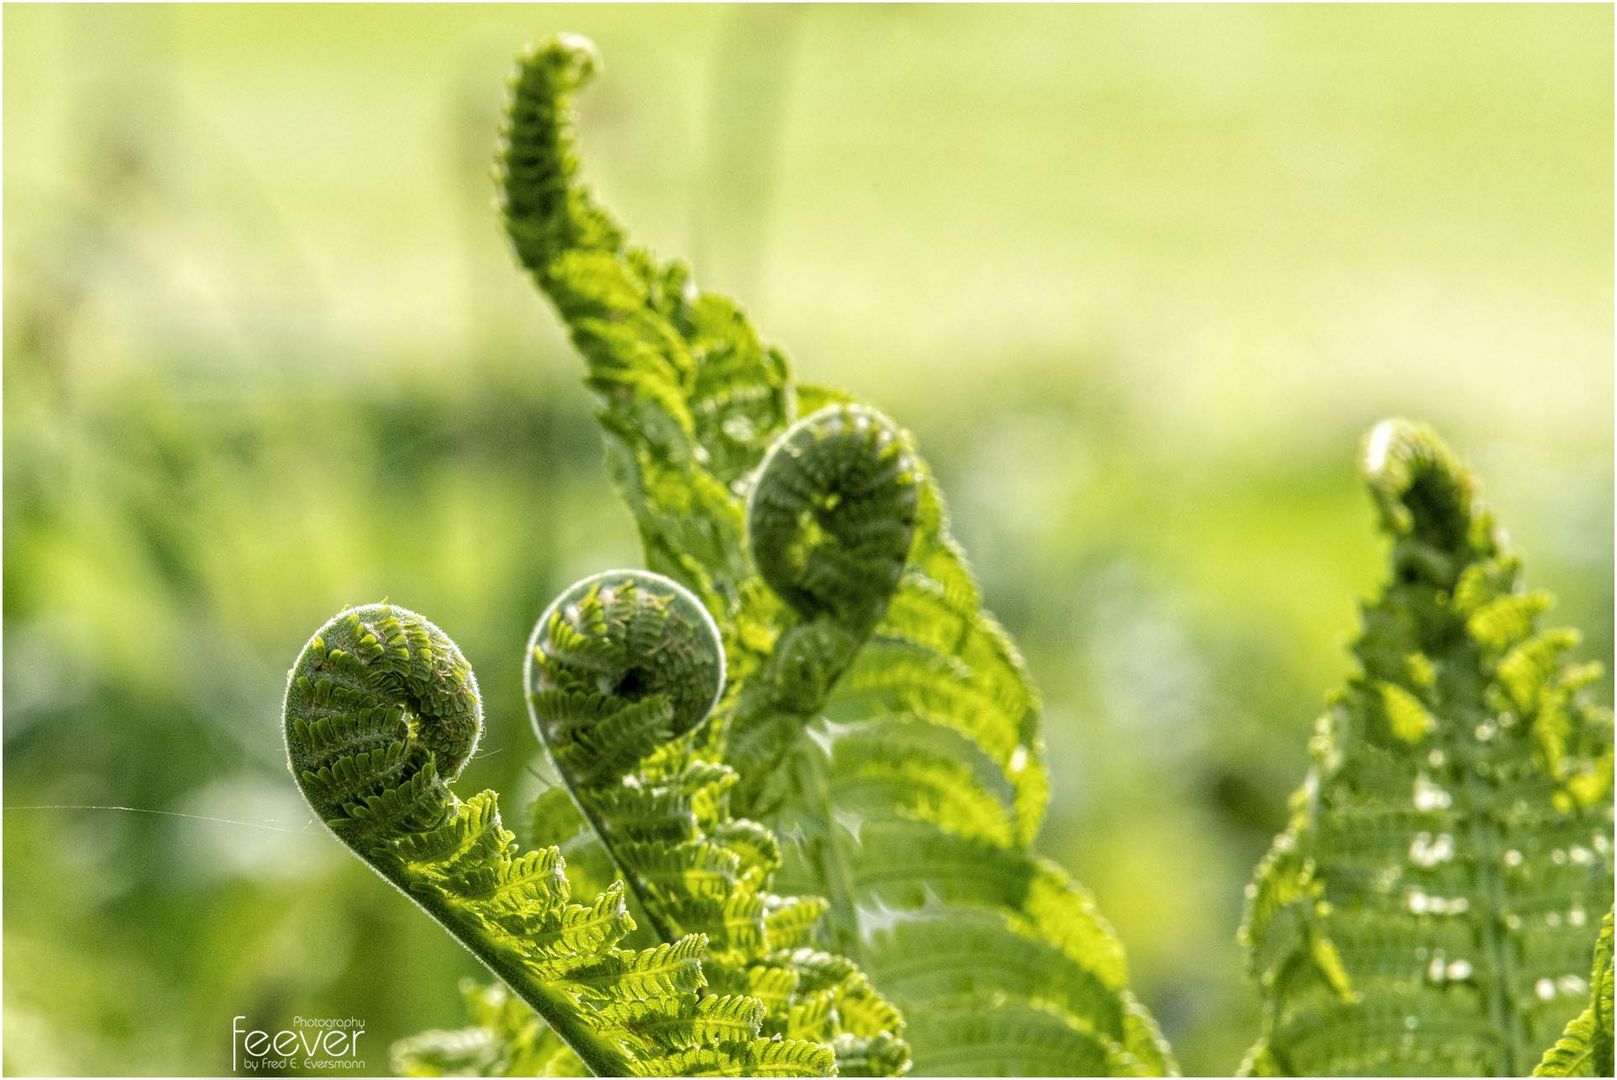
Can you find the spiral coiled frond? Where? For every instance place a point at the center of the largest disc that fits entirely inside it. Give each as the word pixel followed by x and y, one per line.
pixel 832 513
pixel 1431 907
pixel 619 665
pixel 382 713
pixel 622 671
pixel 831 519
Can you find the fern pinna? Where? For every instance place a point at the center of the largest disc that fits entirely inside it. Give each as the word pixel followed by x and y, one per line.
pixel 1430 908
pixel 879 719
pixel 382 712
pixel 1585 1047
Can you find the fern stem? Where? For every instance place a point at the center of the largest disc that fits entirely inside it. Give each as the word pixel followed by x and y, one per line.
pixel 643 904
pixel 1484 840
pixel 599 1056
pixel 830 851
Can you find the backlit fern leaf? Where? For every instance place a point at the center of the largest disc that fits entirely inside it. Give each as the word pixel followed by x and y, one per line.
pixel 1585 1047
pixel 810 529
pixel 1430 908
pixel 505 1037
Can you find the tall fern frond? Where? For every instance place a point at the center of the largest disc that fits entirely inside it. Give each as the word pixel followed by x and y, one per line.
pixel 381 714
pixel 1430 908
pixel 810 529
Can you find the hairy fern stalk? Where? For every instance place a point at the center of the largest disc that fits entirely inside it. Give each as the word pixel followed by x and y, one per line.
pixel 1430 908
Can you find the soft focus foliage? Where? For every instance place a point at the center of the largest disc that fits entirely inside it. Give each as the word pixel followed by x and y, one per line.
pixel 256 304
pixel 1429 908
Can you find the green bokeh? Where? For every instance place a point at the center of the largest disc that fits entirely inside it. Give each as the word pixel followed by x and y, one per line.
pixel 1137 278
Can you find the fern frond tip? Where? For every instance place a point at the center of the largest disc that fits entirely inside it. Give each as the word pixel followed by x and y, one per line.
pixel 619 664
pixel 365 666
pixel 544 212
pixel 1423 490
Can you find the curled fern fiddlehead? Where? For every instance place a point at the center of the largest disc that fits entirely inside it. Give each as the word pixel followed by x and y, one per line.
pixel 830 522
pixel 622 670
pixel 619 665
pixel 832 514
pixel 378 698
pixel 380 680
pixel 1430 908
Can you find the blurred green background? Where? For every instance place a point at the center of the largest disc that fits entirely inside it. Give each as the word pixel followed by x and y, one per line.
pixel 1138 279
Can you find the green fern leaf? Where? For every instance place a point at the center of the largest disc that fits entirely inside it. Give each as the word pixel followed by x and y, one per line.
pixel 1585 1047
pixel 808 526
pixel 505 1038
pixel 1429 909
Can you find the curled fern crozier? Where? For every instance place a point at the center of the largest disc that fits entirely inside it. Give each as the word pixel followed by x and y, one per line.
pixel 622 670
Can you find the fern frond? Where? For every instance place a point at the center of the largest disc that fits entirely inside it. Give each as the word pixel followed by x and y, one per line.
pixel 809 527
pixel 1429 908
pixel 1020 1039
pixel 1585 1047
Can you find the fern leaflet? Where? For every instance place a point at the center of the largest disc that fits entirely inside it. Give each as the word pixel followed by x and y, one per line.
pixel 1585 1047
